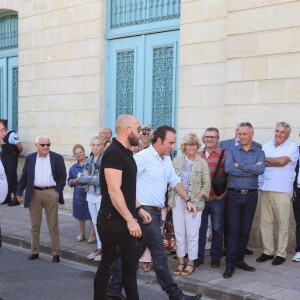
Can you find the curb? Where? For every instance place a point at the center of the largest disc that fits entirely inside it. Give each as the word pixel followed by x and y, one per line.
pixel 191 285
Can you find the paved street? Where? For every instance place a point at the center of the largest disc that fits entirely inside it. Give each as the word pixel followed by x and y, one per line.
pixel 268 282
pixel 43 280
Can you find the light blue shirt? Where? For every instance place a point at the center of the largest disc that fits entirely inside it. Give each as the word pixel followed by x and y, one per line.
pixel 153 176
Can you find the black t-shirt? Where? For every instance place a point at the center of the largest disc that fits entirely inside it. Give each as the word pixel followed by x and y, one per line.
pixel 118 157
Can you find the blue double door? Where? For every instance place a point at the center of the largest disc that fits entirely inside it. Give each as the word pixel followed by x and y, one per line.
pixel 9 90
pixel 142 78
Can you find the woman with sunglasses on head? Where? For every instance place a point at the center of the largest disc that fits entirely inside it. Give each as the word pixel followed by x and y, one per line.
pixel 90 177
pixel 80 205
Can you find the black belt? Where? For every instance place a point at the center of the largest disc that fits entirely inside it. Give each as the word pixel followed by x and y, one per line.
pixel 43 188
pixel 243 192
pixel 156 209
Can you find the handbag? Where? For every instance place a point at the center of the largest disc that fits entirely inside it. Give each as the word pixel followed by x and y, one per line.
pixel 168 235
pixel 219 183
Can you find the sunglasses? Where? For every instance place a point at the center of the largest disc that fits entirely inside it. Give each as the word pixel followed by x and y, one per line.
pixel 146 133
pixel 44 145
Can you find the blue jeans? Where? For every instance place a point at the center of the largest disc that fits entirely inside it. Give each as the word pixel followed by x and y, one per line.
pixel 296 209
pixel 214 208
pixel 240 213
pixel 117 244
pixel 151 238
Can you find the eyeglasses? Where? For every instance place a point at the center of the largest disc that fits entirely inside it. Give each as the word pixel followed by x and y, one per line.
pixel 210 137
pixel 191 145
pixel 146 133
pixel 44 145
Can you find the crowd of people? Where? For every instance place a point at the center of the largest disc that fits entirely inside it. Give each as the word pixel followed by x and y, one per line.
pixel 127 184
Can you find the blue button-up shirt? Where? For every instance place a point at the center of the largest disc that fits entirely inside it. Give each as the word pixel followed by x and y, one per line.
pixel 251 163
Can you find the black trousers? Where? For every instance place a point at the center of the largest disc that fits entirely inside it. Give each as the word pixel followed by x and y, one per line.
pixel 116 243
pixel 10 164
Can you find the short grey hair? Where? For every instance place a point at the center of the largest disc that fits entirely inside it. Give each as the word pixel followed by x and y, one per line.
pixel 284 125
pixel 42 136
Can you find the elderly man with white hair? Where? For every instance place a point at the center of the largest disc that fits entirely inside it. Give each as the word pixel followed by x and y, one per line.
pixel 44 177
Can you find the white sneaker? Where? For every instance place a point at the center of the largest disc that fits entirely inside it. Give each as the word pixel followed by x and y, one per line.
pixel 296 257
pixel 93 254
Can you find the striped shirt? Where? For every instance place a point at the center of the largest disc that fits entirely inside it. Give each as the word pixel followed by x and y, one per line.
pixel 212 159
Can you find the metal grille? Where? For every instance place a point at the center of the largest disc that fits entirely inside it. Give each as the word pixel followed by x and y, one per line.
pixel 8 32
pixel 15 110
pixel 125 82
pixel 163 69
pixel 135 12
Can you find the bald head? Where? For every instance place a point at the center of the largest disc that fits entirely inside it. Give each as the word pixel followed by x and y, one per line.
pixel 124 121
pixel 105 133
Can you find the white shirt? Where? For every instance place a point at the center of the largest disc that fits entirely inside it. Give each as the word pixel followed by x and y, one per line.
pixel 3 183
pixel 43 173
pixel 153 176
pixel 280 179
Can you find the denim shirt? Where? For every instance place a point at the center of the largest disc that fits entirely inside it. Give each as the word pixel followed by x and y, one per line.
pixel 245 176
pixel 93 169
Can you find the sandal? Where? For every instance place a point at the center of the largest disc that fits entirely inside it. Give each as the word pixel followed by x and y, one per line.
pixel 91 240
pixel 179 270
pixel 146 266
pixel 186 272
pixel 80 238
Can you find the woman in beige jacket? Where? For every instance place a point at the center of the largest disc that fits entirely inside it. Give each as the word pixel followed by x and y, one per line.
pixel 195 177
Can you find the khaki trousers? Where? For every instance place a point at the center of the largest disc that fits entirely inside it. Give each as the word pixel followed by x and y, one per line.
pixel 275 205
pixel 47 199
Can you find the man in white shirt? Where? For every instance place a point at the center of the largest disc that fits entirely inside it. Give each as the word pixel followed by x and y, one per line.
pixel 276 185
pixel 155 172
pixel 296 209
pixel 44 177
pixel 3 179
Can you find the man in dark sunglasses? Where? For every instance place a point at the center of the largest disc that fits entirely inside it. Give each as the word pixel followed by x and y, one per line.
pixel 44 177
pixel 145 136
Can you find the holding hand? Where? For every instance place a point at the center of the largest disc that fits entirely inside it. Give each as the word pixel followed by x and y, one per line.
pixel 145 216
pixel 191 208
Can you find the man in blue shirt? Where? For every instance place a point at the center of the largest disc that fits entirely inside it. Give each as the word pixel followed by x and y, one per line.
pixel 243 164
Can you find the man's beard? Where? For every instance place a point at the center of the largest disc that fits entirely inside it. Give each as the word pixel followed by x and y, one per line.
pixel 133 139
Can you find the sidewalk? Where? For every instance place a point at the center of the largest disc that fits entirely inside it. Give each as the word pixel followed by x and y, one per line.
pixel 268 282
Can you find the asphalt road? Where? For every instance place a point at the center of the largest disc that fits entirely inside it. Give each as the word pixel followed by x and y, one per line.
pixel 43 280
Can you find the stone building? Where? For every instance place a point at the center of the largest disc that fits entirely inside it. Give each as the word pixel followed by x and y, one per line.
pixel 68 68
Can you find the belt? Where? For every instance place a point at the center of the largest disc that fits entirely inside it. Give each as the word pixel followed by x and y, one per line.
pixel 243 192
pixel 154 208
pixel 43 188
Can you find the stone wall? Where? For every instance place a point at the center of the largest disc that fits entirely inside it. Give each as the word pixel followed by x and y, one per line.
pixel 240 61
pixel 61 71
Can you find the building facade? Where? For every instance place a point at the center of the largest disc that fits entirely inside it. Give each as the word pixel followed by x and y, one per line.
pixel 70 67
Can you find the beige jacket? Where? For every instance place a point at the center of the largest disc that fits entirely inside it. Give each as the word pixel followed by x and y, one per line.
pixel 200 181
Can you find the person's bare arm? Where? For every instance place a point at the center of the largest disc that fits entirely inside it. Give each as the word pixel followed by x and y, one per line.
pixel 114 180
pixel 19 147
pixel 277 162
